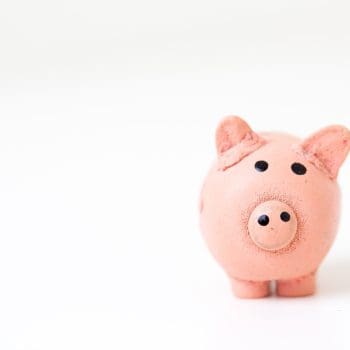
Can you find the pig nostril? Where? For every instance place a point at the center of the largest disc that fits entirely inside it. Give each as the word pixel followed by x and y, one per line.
pixel 263 220
pixel 285 216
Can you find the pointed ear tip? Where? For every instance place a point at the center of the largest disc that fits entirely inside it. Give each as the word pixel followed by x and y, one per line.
pixel 232 119
pixel 232 122
pixel 337 128
pixel 328 148
pixel 231 130
pixel 332 131
pixel 344 133
pixel 347 132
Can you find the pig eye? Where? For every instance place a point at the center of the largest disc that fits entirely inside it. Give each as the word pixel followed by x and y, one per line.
pixel 298 168
pixel 261 165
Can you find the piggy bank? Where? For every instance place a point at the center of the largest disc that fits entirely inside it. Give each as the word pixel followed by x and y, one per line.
pixel 269 206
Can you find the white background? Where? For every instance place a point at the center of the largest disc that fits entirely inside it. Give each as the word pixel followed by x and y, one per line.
pixel 107 119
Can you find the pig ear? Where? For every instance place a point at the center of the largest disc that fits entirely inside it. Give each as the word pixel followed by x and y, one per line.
pixel 234 141
pixel 327 149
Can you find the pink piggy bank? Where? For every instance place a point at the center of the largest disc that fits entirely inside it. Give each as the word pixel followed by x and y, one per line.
pixel 269 207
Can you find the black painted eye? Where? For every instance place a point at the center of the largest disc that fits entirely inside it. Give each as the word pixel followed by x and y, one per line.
pixel 261 165
pixel 263 220
pixel 285 216
pixel 298 168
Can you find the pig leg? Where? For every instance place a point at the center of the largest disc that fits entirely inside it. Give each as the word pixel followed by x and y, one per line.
pixel 298 287
pixel 250 289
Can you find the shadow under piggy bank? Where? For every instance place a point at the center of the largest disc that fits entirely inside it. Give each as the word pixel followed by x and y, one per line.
pixel 334 278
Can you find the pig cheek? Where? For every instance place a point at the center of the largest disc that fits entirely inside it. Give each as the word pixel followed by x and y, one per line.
pixel 224 225
pixel 321 217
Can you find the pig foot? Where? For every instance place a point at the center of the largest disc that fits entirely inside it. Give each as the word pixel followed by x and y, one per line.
pixel 250 289
pixel 298 287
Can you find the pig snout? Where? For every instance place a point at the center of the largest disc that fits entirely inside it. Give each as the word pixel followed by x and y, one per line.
pixel 272 225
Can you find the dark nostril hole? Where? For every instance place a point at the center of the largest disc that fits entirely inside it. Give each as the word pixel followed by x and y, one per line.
pixel 285 216
pixel 263 220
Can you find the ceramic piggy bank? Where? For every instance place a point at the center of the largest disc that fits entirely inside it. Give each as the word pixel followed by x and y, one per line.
pixel 269 207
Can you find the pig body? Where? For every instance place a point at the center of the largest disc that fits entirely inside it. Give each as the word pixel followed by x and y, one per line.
pixel 269 207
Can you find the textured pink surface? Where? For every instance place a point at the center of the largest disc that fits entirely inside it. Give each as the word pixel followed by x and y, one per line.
pixel 235 195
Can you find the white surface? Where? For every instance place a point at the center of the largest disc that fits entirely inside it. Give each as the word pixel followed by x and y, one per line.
pixel 107 116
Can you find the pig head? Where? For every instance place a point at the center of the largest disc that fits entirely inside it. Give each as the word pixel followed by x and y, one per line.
pixel 270 203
